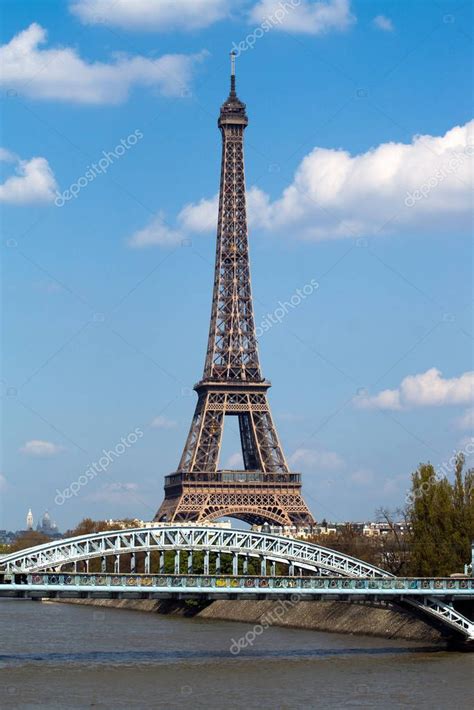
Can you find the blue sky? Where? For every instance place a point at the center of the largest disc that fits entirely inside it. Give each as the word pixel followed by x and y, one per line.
pixel 358 162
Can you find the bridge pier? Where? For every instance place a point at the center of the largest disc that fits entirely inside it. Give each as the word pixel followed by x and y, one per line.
pixel 190 562
pixel 161 564
pixel 206 562
pixel 218 563
pixel 177 561
pixel 235 564
pixel 147 565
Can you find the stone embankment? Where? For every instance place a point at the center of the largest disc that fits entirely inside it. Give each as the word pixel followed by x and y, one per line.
pixel 337 617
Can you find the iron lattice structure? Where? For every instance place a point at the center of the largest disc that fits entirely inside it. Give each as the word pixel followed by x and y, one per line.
pixel 429 597
pixel 232 383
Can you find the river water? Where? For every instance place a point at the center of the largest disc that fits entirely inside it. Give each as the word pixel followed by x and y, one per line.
pixel 71 656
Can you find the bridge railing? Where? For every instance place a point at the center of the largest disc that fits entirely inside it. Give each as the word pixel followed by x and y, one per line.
pixel 393 586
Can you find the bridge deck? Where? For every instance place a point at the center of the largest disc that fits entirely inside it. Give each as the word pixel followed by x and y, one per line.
pixel 308 587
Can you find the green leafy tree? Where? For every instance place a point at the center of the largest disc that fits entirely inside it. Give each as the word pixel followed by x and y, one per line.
pixel 441 520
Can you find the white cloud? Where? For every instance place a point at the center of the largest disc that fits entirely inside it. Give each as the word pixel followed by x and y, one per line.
pixel 311 458
pixel 40 449
pixel 305 16
pixel 393 486
pixel 362 477
pixel 235 461
pixel 334 194
pixel 383 23
pixel 428 389
pixel 387 399
pixel 467 419
pixel 152 15
pixel 162 422
pixel 7 156
pixel 156 232
pixel 117 493
pixel 200 217
pixel 34 180
pixel 60 73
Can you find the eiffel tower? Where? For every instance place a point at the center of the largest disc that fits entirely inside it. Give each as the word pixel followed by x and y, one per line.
pixel 232 383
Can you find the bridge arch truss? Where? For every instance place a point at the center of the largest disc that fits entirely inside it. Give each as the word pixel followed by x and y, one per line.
pixel 298 556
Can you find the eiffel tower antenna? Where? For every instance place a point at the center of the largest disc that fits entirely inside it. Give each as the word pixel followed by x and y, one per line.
pixel 232 72
pixel 232 383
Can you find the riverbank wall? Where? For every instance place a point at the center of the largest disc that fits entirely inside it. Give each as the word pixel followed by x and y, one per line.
pixel 329 616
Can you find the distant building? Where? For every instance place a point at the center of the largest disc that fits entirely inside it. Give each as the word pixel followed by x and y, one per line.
pixel 124 524
pixel 285 530
pixel 6 537
pixel 47 526
pixel 325 529
pixel 377 529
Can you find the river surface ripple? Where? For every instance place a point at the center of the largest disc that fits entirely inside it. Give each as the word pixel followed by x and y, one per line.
pixel 70 656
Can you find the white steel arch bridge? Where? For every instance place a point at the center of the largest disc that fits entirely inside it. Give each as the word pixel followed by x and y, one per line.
pixel 285 565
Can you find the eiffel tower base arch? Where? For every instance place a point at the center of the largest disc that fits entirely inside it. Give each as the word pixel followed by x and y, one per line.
pixel 255 506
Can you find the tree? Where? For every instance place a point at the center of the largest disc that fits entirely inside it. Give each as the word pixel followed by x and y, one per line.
pixel 463 510
pixel 29 538
pixel 441 520
pixel 351 541
pixel 395 546
pixel 87 526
